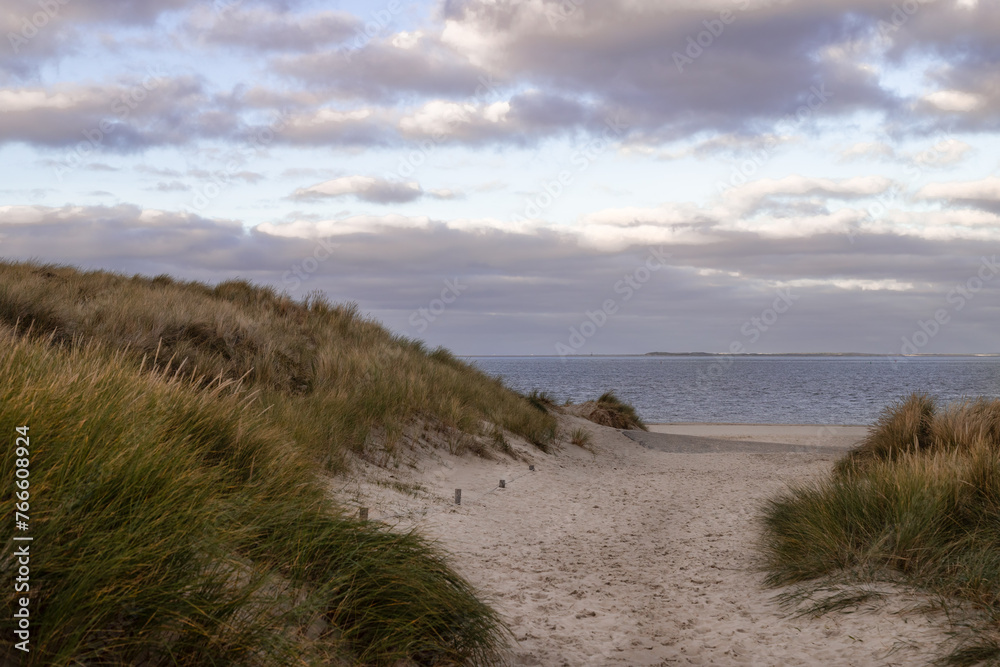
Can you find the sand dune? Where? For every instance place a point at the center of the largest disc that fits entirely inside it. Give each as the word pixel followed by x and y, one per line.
pixel 631 556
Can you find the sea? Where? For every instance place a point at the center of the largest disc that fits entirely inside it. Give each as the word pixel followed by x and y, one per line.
pixel 790 389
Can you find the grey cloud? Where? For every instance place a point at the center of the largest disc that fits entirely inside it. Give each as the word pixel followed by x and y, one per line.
pixel 946 29
pixel 380 71
pixel 559 76
pixel 964 39
pixel 171 186
pixel 526 289
pixel 761 66
pixel 134 12
pixel 968 98
pixel 983 194
pixel 49 30
pixel 767 65
pixel 156 171
pixel 245 176
pixel 371 189
pixel 115 118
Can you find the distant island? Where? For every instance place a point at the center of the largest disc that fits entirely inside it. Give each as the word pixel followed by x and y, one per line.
pixel 816 354
pixel 730 354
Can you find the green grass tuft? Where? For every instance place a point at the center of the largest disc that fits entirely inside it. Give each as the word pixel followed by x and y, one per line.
pixel 542 400
pixel 917 503
pixel 609 410
pixel 902 427
pixel 580 437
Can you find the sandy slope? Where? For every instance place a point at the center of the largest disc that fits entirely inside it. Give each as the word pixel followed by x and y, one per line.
pixel 629 556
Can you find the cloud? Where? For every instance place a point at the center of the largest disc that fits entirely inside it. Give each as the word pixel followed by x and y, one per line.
pixel 366 126
pixel 945 153
pixel 260 29
pixel 550 76
pixel 750 197
pixel 953 100
pixel 33 38
pixel 518 72
pixel 533 280
pixel 118 118
pixel 246 176
pixel 365 188
pixel 372 189
pixel 766 63
pixel 388 70
pixel 982 194
pixel 171 186
pixel 982 189
pixel 867 150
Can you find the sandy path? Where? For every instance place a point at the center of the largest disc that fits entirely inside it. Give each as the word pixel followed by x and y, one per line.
pixel 636 557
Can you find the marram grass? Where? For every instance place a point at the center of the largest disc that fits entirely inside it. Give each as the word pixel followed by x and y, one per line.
pixel 329 375
pixel 176 510
pixel 182 527
pixel 609 410
pixel 917 502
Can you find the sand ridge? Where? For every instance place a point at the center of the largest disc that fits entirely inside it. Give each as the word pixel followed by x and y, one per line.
pixel 630 556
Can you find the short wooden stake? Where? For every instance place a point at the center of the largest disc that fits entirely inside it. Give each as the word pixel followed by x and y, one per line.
pixel 363 513
pixel 458 496
pixel 503 484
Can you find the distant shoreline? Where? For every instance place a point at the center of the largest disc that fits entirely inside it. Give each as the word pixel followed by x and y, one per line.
pixel 727 354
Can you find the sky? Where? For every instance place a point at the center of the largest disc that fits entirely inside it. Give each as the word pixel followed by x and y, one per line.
pixel 528 176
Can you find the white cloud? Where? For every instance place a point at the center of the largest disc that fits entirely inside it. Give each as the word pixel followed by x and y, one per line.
pixel 950 225
pixel 39 99
pixel 944 153
pixel 311 229
pixel 853 284
pixel 841 221
pixel 953 100
pixel 407 40
pixel 983 189
pixel 746 197
pixel 441 118
pixel 867 149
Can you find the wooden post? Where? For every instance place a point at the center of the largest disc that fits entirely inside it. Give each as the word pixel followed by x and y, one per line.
pixel 363 513
pixel 458 496
pixel 503 484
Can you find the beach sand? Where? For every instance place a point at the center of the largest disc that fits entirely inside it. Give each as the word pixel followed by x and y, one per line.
pixel 628 555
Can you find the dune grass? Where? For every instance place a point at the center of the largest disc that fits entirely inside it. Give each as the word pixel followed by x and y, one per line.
pixel 918 502
pixel 335 378
pixel 174 526
pixel 609 410
pixel 581 437
pixel 178 518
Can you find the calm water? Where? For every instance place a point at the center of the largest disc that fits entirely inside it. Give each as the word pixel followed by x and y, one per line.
pixel 792 390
